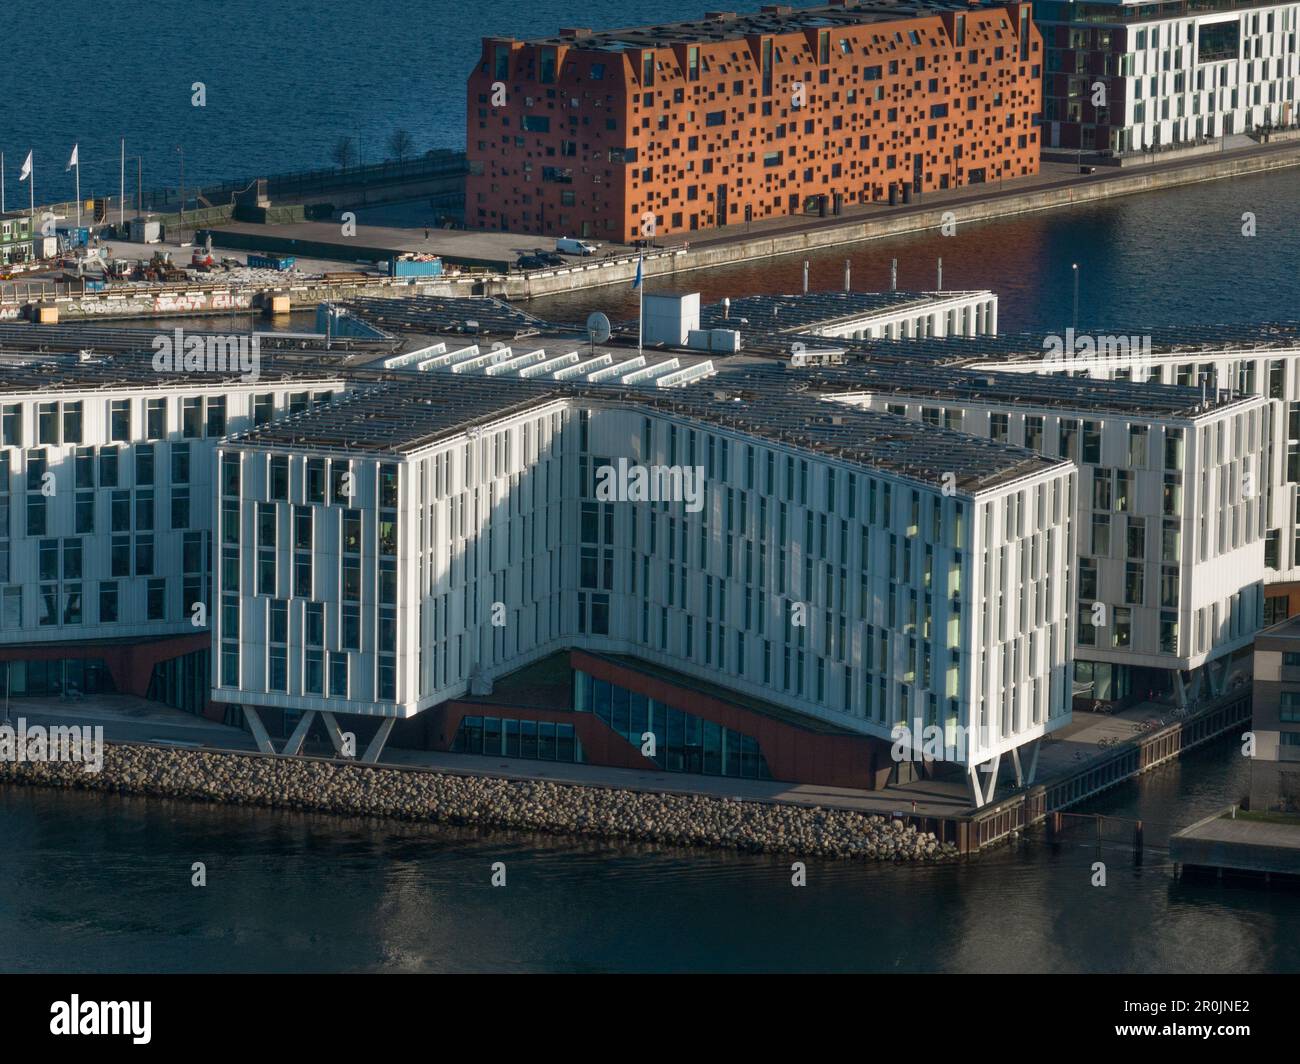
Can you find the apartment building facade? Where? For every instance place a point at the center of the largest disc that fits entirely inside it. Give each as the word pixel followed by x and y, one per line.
pixel 630 134
pixel 106 516
pixel 1275 723
pixel 838 591
pixel 1124 77
pixel 1262 362
pixel 1172 517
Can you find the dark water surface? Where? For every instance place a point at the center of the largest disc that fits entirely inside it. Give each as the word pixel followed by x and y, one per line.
pixel 91 883
pixel 103 884
pixel 1175 257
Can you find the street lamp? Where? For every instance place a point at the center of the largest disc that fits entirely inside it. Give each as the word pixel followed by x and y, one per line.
pixel 1075 268
pixel 180 214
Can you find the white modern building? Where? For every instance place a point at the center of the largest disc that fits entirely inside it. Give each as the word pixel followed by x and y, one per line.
pixel 106 514
pixel 850 570
pixel 1171 513
pixel 1225 362
pixel 1122 76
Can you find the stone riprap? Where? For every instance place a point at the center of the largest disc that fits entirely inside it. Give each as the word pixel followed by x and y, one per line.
pixel 365 790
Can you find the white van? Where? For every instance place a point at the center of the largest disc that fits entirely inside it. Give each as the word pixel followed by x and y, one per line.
pixel 568 246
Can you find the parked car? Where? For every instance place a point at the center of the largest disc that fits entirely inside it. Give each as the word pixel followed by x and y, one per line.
pixel 569 246
pixel 529 262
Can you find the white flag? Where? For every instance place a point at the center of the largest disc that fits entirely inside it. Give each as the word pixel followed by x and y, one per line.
pixel 27 168
pixel 73 161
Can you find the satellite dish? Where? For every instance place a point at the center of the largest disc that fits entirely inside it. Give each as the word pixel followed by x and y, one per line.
pixel 598 329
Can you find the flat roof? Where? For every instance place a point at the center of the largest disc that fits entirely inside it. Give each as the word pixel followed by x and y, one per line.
pixel 795 313
pixel 464 316
pixel 23 338
pixel 772 19
pixel 399 418
pixel 1287 630
pixel 1178 341
pixel 945 384
pixel 40 372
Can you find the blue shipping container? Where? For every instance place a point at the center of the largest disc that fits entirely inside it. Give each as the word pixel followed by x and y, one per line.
pixel 415 268
pixel 271 262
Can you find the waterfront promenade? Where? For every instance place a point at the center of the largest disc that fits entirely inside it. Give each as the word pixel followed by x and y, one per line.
pixel 1067 753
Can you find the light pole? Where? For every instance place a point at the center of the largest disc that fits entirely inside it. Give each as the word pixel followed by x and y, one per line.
pixel 1075 268
pixel 180 214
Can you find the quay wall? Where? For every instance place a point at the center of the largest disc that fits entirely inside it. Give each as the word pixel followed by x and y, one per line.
pixel 897 222
pixel 198 298
pixel 354 789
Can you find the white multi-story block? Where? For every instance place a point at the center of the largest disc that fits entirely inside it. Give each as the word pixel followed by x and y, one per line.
pixel 851 570
pixel 106 513
pixel 1121 76
pixel 1172 509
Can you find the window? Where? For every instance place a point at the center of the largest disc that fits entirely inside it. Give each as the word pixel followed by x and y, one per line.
pixel 1101 535
pixel 316 480
pixel 1092 442
pixel 1137 446
pixel 119 420
pixel 156 419
pixel 192 417
pixel 1122 634
pixel 180 471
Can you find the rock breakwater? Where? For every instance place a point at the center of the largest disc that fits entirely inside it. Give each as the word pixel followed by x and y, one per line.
pixel 492 802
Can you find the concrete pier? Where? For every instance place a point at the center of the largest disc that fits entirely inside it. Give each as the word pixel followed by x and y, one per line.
pixel 1234 841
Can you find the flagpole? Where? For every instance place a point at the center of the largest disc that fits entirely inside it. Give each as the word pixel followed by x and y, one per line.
pixel 78 193
pixel 121 190
pixel 2 182
pixel 640 316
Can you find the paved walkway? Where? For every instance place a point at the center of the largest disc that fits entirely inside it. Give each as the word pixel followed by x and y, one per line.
pixel 128 719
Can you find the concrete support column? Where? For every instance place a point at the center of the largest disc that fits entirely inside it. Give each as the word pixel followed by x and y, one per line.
pixel 335 733
pixel 376 747
pixel 294 743
pixel 258 729
pixel 993 317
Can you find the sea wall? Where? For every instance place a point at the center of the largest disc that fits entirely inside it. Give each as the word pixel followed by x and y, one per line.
pixel 349 789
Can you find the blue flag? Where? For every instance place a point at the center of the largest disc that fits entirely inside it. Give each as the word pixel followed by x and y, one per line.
pixel 637 283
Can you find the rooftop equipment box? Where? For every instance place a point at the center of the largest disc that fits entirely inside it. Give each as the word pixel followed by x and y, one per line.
pixel 670 318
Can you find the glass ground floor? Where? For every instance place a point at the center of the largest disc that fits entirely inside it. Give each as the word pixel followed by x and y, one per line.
pixel 683 741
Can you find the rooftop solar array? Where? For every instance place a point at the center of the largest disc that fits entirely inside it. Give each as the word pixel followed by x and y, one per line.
pixel 400 418
pixel 397 417
pixel 104 339
pixel 41 372
pixel 944 384
pixel 1192 341
pixel 469 315
pixel 791 313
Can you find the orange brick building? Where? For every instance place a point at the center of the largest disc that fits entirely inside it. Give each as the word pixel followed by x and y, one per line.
pixel 708 123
